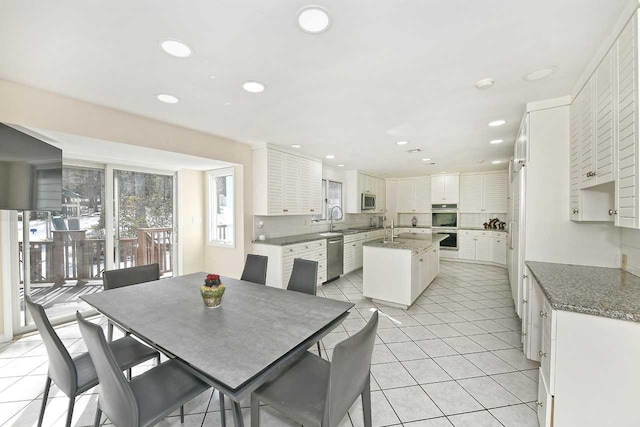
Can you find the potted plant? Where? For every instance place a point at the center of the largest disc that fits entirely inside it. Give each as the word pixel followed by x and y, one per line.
pixel 212 291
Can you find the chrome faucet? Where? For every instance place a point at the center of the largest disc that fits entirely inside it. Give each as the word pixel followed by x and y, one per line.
pixel 331 228
pixel 392 232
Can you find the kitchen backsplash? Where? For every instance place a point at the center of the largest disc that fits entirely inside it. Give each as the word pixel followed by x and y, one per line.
pixel 423 219
pixel 278 226
pixel 477 220
pixel 630 246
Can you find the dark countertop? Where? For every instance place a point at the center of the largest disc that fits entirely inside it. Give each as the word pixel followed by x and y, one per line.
pixel 599 291
pixel 303 238
pixel 411 226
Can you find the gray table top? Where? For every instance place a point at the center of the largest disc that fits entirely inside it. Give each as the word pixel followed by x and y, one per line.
pixel 255 327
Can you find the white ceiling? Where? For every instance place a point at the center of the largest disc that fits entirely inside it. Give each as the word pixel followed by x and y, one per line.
pixel 386 70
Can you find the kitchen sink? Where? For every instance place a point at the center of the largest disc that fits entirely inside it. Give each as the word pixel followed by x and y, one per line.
pixel 330 234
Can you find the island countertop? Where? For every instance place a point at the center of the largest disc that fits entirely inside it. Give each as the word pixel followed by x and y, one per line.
pixel 599 291
pixel 418 244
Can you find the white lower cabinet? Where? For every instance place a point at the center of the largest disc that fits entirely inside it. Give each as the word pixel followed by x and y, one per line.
pixel 352 258
pixel 484 246
pixel 544 404
pixel 427 268
pixel 281 259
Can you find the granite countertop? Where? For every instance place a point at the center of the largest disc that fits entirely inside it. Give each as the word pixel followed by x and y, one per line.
pixel 599 291
pixel 303 238
pixel 416 245
pixel 411 226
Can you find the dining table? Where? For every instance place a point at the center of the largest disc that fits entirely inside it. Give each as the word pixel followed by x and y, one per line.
pixel 253 336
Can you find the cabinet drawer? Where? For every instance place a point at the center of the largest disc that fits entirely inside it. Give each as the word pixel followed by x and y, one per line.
pixel 467 232
pixel 548 320
pixel 484 233
pixel 351 238
pixel 500 234
pixel 290 251
pixel 544 404
pixel 309 246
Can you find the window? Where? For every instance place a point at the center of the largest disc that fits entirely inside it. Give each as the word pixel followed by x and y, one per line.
pixel 331 196
pixel 220 207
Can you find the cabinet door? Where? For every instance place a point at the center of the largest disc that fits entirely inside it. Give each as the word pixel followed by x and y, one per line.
pixel 381 195
pixel 471 194
pixel 604 120
pixel 275 182
pixel 466 245
pixel 304 185
pixel 406 195
pixel 316 187
pixel 587 136
pixel 416 276
pixel 424 271
pixel 349 260
pixel 575 163
pixel 423 194
pixel 451 188
pixel 499 250
pixel 358 254
pixel 291 184
pixel 392 195
pixel 437 189
pixel 434 264
pixel 494 191
pixel 626 129
pixel 483 248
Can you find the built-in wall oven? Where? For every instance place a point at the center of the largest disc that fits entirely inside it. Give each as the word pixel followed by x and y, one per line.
pixel 444 220
pixel 451 242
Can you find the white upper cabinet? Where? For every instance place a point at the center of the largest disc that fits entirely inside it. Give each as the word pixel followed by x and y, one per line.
pixel 574 153
pixel 626 141
pixel 480 193
pixel 413 195
pixel 423 194
pixel 604 120
pixel 444 189
pixel 359 183
pixel 391 195
pixel 285 184
pixel 587 136
pixel 406 195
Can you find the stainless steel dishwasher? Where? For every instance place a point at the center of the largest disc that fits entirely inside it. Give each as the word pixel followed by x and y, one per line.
pixel 335 254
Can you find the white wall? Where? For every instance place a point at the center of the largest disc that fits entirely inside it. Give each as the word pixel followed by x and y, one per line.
pixel 551 236
pixel 630 246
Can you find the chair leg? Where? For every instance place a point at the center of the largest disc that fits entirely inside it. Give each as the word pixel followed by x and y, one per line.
pixel 109 331
pixel 45 396
pixel 72 402
pixel 237 415
pixel 223 414
pixel 96 422
pixel 129 374
pixel 255 412
pixel 366 403
pixel 319 351
pixel 158 361
pixel 182 414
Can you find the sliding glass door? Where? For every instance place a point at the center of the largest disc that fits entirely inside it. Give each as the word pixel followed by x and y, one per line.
pixel 111 218
pixel 144 220
pixel 66 250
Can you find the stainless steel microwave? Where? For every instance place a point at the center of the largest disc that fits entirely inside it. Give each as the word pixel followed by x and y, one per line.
pixel 368 202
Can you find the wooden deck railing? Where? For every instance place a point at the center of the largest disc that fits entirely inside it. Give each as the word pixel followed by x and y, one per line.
pixel 71 256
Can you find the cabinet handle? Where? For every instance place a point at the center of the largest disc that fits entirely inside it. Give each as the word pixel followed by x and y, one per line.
pixel 542 354
pixel 285 210
pixel 539 404
pixel 421 260
pixel 354 245
pixel 613 212
pixel 543 314
pixel 313 210
pixel 524 301
pixel 575 211
pixel 524 276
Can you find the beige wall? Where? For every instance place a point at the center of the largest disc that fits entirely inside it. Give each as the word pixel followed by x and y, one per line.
pixel 26 106
pixel 192 234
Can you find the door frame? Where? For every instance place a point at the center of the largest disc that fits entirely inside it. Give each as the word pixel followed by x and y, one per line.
pixel 11 265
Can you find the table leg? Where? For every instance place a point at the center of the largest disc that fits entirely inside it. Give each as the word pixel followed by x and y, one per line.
pixel 237 414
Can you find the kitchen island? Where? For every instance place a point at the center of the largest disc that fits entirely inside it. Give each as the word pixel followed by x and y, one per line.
pixel 396 273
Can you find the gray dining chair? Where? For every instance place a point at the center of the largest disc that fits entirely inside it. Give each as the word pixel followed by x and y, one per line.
pixel 304 278
pixel 120 278
pixel 314 392
pixel 255 269
pixel 76 375
pixel 146 399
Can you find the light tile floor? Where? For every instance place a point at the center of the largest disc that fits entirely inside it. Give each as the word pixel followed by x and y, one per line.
pixel 453 358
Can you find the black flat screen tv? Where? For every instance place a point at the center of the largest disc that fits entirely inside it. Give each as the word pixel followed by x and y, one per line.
pixel 30 172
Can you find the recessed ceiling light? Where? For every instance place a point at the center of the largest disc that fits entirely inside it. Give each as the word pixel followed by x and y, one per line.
pixel 341 165
pixel 176 48
pixel 496 141
pixel 212 77
pixel 402 142
pixel 296 146
pixel 539 74
pixel 169 99
pixel 497 123
pixel 426 160
pixel 314 19
pixel 443 172
pixel 330 156
pixel 484 84
pixel 253 86
pixel 227 104
pixel 495 162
